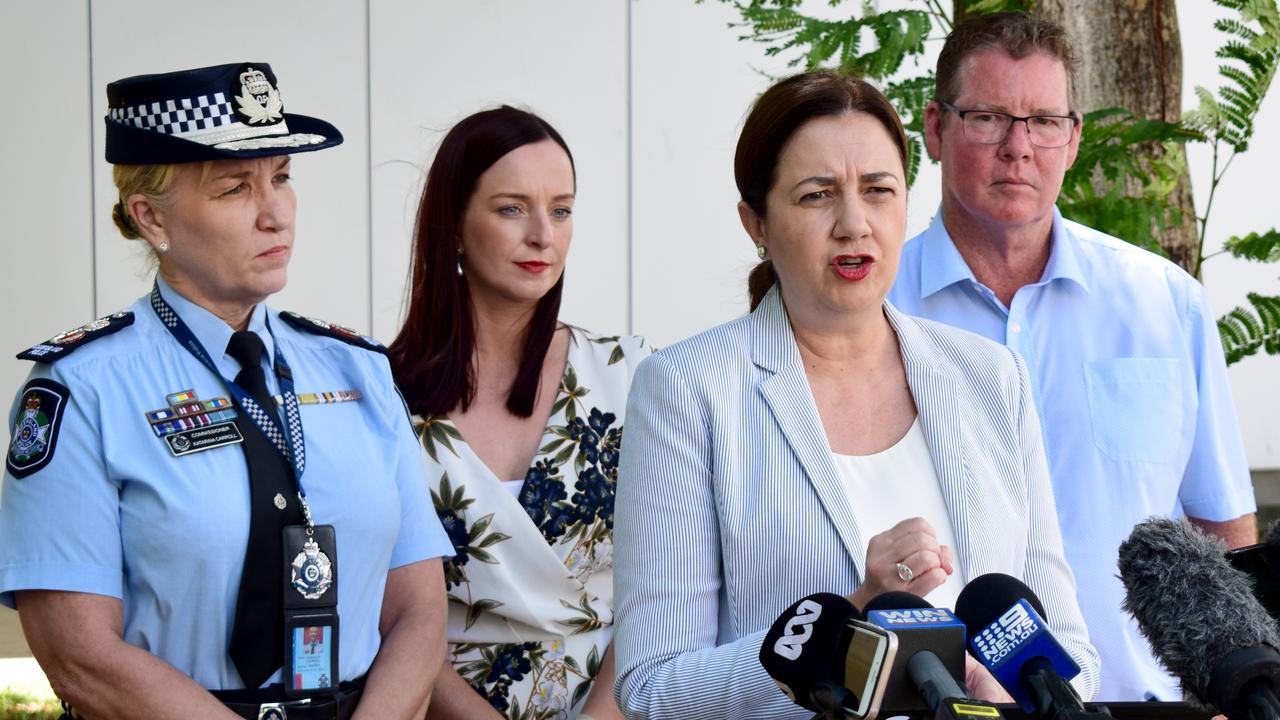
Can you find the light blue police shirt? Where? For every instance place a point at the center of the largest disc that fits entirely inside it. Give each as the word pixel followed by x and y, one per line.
pixel 116 513
pixel 1131 387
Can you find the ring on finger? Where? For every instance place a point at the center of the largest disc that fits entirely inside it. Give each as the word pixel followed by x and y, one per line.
pixel 904 573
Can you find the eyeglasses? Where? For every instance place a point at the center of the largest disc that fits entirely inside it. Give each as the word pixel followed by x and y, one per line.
pixel 989 127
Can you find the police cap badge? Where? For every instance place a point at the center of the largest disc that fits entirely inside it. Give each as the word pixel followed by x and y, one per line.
pixel 213 113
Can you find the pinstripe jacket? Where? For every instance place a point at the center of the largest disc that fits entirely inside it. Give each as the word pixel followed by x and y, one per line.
pixel 730 507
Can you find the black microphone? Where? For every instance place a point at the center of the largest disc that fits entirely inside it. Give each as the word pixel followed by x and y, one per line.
pixel 1200 616
pixel 1261 563
pixel 930 654
pixel 827 659
pixel 1010 638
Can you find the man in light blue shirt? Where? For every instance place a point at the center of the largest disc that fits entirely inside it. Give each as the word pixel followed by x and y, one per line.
pixel 1127 366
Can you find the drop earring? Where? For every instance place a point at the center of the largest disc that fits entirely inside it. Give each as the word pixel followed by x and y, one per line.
pixel 459 262
pixel 761 252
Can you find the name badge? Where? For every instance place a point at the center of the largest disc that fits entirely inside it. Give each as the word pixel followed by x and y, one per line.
pixel 189 424
pixel 310 610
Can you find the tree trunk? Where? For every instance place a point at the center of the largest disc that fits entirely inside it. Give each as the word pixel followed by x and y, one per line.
pixel 1129 55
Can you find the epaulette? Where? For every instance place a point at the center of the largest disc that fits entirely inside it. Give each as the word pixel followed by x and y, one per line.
pixel 65 343
pixel 328 329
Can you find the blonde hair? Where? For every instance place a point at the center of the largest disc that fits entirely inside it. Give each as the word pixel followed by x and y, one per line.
pixel 153 181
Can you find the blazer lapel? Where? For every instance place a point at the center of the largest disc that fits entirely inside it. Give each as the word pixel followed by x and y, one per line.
pixel 786 391
pixel 940 419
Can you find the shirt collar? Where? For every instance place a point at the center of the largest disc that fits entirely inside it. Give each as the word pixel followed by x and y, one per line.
pixel 942 265
pixel 213 332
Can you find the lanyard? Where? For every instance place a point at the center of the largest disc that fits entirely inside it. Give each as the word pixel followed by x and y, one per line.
pixel 286 439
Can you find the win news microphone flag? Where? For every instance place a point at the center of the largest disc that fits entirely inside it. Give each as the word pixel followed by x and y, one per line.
pixel 1201 618
pixel 930 659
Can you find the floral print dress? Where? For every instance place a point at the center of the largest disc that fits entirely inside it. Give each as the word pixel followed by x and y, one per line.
pixel 531 588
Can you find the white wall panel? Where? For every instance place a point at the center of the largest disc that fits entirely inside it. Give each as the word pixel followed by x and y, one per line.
pixel 1246 201
pixel 431 64
pixel 692 82
pixel 45 193
pixel 317 50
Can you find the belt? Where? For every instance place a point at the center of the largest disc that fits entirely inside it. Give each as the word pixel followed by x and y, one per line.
pixel 269 703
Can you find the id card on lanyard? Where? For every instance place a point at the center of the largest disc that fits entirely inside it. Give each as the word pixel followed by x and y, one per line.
pixel 310 572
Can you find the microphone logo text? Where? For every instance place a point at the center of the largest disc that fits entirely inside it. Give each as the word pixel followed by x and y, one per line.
pixel 919 616
pixel 799 629
pixel 1003 636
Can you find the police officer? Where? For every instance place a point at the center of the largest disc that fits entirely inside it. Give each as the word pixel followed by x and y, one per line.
pixel 211 508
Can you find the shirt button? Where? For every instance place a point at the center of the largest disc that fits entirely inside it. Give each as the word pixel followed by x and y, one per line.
pixel 1015 327
pixel 281 503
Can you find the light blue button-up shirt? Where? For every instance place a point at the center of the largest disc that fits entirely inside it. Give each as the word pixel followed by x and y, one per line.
pixel 116 513
pixel 1131 387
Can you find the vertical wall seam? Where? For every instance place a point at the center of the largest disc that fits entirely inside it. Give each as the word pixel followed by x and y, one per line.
pixel 368 146
pixel 630 180
pixel 93 190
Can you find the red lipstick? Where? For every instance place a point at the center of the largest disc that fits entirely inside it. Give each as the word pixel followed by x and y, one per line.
pixel 852 267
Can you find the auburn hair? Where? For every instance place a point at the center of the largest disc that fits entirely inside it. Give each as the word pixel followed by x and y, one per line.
pixel 432 358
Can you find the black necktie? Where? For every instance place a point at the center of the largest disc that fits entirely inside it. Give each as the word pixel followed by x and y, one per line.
pixel 257 637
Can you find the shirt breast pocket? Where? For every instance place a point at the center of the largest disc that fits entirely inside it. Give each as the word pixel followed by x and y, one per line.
pixel 1136 406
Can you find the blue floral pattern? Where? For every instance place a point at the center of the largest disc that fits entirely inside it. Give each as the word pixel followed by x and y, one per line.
pixel 551 546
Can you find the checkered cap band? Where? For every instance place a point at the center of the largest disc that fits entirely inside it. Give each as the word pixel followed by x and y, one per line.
pixel 206 119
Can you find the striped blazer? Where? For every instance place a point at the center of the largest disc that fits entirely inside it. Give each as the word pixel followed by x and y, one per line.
pixel 730 507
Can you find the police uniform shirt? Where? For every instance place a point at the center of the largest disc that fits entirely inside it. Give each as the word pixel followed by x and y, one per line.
pixel 115 512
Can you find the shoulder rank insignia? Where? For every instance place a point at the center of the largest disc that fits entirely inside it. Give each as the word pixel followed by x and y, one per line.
pixel 65 343
pixel 321 327
pixel 35 429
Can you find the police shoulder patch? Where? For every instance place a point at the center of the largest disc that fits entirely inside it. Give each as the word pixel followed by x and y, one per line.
pixel 328 329
pixel 35 429
pixel 65 343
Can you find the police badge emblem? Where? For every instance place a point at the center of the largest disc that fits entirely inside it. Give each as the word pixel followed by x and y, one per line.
pixel 35 429
pixel 258 102
pixel 312 571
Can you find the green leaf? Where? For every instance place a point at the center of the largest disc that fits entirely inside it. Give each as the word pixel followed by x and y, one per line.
pixel 564 454
pixel 580 692
pixel 593 661
pixel 481 555
pixel 479 526
pixel 616 355
pixel 572 664
pixel 1263 247
pixel 477 607
pixel 493 538
pixel 1244 332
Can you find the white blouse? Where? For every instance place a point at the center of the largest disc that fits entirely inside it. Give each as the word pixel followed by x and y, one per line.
pixel 899 482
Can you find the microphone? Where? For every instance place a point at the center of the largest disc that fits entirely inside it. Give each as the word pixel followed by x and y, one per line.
pixel 826 659
pixel 1009 637
pixel 930 653
pixel 1201 618
pixel 1262 564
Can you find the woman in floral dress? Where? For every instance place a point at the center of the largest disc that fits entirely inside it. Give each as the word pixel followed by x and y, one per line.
pixel 520 418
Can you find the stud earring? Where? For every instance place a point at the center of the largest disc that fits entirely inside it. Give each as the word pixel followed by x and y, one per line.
pixel 761 252
pixel 162 248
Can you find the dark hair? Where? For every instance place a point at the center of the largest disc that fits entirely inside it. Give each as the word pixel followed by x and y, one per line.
pixel 775 117
pixel 432 356
pixel 1015 33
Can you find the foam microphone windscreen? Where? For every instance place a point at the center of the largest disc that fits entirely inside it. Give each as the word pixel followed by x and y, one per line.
pixel 805 646
pixel 1190 604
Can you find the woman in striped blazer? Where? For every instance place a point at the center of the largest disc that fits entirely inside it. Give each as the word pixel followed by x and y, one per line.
pixel 824 442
